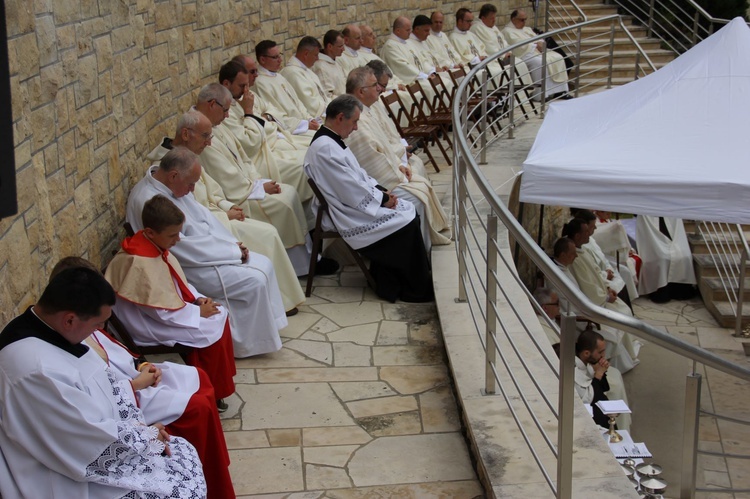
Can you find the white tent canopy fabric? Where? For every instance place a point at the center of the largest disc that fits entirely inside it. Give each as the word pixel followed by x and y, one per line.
pixel 674 143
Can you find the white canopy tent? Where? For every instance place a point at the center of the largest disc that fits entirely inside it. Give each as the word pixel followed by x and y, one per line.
pixel 674 143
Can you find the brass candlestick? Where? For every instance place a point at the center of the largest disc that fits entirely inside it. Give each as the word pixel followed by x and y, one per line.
pixel 614 437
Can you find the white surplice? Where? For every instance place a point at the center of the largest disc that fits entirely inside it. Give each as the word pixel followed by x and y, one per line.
pixel 354 201
pixel 470 50
pixel 67 430
pixel 403 60
pixel 277 129
pixel 441 46
pixel 665 260
pixel 331 76
pixel 307 85
pixel 211 259
pixel 374 154
pixel 494 42
pixel 279 95
pixel 163 403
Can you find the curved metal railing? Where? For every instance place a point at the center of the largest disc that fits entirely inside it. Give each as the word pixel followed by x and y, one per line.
pixel 487 276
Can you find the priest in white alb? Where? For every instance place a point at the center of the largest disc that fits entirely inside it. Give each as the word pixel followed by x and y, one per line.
pixel 193 132
pixel 493 40
pixel 372 220
pixel 370 146
pixel 330 73
pixel 298 72
pixel 278 93
pixel 516 31
pixel 418 38
pixel 282 164
pixel 212 258
pixel 439 43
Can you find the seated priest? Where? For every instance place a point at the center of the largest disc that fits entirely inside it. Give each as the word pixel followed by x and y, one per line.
pixel 371 219
pixel 68 428
pixel 329 71
pixel 374 154
pixel 213 260
pixel 180 397
pixel 299 73
pixel 158 305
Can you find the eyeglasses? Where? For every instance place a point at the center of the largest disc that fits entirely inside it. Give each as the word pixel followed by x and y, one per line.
pixel 521 19
pixel 276 57
pixel 376 84
pixel 226 109
pixel 253 71
pixel 205 136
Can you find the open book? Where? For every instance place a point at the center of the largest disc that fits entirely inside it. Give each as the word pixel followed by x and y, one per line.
pixel 613 407
pixel 623 450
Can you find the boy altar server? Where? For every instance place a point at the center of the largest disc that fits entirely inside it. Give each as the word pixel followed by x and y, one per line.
pixel 157 304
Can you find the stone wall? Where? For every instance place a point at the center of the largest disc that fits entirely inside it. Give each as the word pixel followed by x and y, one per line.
pixel 96 83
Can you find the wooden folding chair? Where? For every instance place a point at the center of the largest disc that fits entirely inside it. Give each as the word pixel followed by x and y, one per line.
pixel 411 133
pixel 421 113
pixel 457 75
pixel 318 234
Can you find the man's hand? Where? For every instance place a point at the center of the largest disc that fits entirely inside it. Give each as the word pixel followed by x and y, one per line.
pixel 406 171
pixel 611 295
pixel 313 125
pixel 236 213
pixel 150 376
pixel 247 102
pixel 272 187
pixel 600 368
pixel 163 437
pixel 392 201
pixel 245 252
pixel 208 307
pixel 610 274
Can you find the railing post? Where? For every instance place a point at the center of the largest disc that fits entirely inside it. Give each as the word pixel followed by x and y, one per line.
pixel 483 125
pixel 578 62
pixel 696 18
pixel 741 292
pixel 650 29
pixel 611 56
pixel 543 87
pixel 690 434
pixel 637 64
pixel 568 336
pixel 460 197
pixel 512 96
pixel 491 325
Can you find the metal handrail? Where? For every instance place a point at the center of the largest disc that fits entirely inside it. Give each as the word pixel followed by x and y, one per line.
pixel 467 168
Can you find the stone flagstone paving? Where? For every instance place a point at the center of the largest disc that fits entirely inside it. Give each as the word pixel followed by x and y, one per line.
pixel 358 403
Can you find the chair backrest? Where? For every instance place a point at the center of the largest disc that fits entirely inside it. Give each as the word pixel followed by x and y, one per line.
pixel 388 101
pixel 442 95
pixel 418 113
pixel 128 229
pixel 116 328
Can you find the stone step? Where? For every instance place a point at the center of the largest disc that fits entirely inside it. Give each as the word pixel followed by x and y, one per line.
pixel 647 44
pixel 707 266
pixel 596 71
pixel 724 313
pixel 700 244
pixel 659 57
pixel 712 289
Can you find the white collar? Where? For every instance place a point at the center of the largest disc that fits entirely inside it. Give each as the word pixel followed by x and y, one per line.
pixel 264 71
pixel 350 51
pixel 294 61
pixel 436 33
pixel 323 57
pixel 394 36
pixel 456 30
pixel 367 50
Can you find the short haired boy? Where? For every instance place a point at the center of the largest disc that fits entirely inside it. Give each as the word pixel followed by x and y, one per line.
pixel 159 306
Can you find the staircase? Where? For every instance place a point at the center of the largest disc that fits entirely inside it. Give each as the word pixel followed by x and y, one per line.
pixel 595 57
pixel 708 269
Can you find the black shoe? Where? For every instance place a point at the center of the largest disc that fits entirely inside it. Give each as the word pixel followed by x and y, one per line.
pixel 221 406
pixel 326 266
pixel 292 312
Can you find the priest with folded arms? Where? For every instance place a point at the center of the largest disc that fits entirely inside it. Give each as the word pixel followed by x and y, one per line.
pixel 68 429
pixel 160 307
pixel 305 81
pixel 372 220
pixel 213 260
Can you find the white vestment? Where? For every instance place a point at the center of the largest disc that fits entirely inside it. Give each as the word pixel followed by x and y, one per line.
pixel 308 87
pixel 227 164
pixel 68 431
pixel 374 154
pixel 260 237
pixel 395 141
pixel 470 50
pixel 352 59
pixel 163 403
pixel 280 96
pixel 402 59
pixel 612 238
pixel 557 76
pixel 277 128
pixel 282 164
pixel 331 76
pixel 584 374
pixel 443 50
pixel 494 42
pixel 211 259
pixel 665 260
pixel 353 200
pixel 429 61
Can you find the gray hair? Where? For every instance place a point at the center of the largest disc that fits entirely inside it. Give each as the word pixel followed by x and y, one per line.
pixel 188 120
pixel 379 68
pixel 543 296
pixel 179 159
pixel 214 91
pixel 343 104
pixel 357 78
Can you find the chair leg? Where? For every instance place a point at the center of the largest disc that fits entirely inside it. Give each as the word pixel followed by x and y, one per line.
pixel 317 242
pixel 429 155
pixel 445 153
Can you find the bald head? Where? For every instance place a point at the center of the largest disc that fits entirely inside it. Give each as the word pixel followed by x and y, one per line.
pixel 437 21
pixel 402 27
pixel 352 36
pixel 368 36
